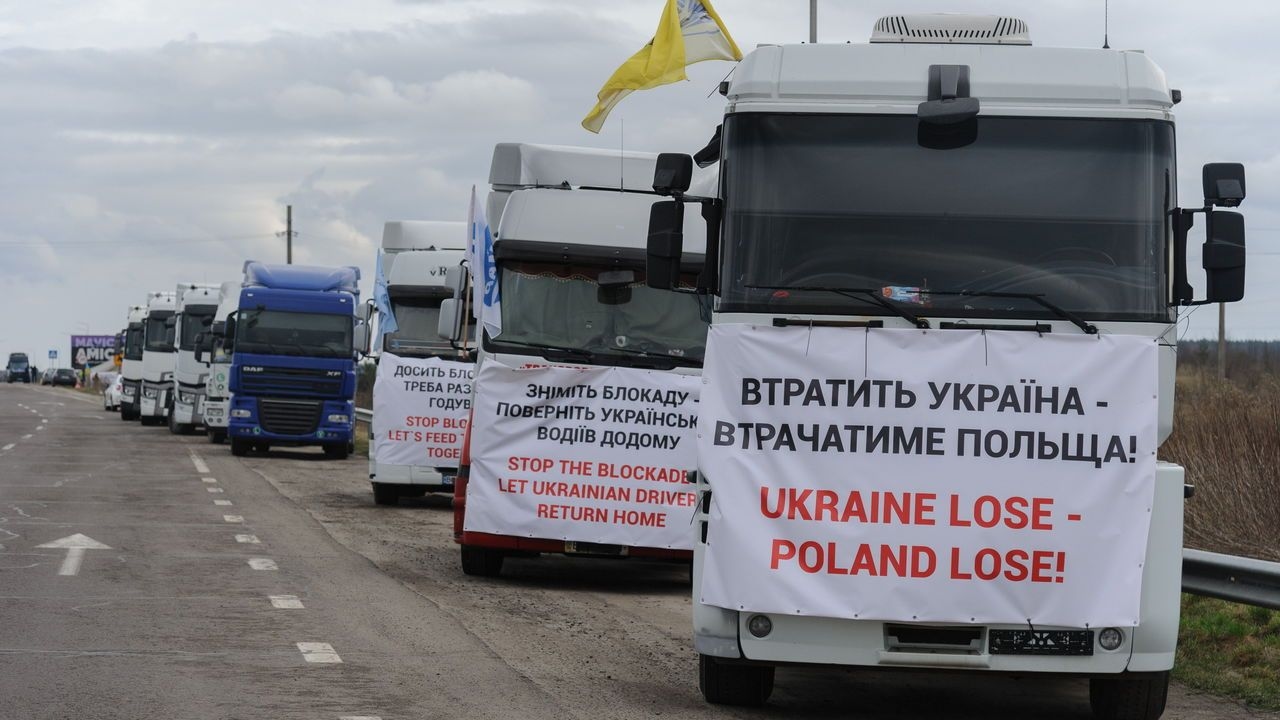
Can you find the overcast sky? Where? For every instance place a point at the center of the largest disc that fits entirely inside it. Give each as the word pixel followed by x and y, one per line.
pixel 149 142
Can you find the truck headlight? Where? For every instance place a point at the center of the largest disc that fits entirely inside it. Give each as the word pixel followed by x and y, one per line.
pixel 340 419
pixel 760 625
pixel 149 392
pixel 241 413
pixel 1110 638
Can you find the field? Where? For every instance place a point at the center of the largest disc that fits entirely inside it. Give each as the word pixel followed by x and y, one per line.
pixel 1227 435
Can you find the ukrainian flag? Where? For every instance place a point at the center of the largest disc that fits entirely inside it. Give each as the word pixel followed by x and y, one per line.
pixel 690 32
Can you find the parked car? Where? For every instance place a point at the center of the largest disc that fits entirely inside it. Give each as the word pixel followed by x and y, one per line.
pixel 46 377
pixel 63 376
pixel 112 393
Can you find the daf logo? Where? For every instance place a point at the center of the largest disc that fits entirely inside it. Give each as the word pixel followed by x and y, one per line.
pixel 333 373
pixel 252 368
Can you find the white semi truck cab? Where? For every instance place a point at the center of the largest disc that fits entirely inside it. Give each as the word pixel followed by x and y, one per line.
pixel 131 365
pixel 159 357
pixel 195 308
pixel 216 404
pixel 946 181
pixel 417 257
pixel 569 244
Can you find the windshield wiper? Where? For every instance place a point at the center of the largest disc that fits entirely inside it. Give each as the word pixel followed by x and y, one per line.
pixel 572 352
pixel 868 296
pixel 671 360
pixel 1088 327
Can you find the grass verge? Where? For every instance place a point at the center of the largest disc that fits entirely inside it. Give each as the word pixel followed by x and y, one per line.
pixel 1231 650
pixel 362 439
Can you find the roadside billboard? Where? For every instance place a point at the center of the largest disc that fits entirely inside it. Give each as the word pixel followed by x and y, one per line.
pixel 91 350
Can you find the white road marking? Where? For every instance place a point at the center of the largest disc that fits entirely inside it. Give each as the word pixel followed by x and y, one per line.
pixel 8 447
pixel 43 421
pixel 214 490
pixel 208 480
pixel 250 539
pixel 199 463
pixel 359 717
pixel 314 652
pixel 221 502
pixel 75 545
pixel 27 437
pixel 233 518
pixel 286 602
pixel 39 427
pixel 263 564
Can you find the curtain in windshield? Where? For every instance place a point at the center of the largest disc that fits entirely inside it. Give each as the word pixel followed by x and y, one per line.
pixel 1073 209
pixel 159 337
pixel 273 332
pixel 558 305
pixel 418 325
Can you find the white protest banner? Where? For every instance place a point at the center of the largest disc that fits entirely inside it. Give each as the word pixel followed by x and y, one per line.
pixel 926 476
pixel 594 455
pixel 420 409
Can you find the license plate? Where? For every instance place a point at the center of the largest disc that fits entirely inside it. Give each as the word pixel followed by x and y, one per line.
pixel 1040 642
pixel 587 548
pixel 446 479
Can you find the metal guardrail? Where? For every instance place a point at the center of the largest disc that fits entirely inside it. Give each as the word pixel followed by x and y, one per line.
pixel 363 415
pixel 1230 577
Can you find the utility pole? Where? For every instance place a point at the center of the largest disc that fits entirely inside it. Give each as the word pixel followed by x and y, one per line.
pixel 1222 341
pixel 813 21
pixel 288 234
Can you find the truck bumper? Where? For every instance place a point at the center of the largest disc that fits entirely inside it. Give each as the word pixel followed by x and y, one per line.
pixel 155 399
pixel 431 478
pixel 332 423
pixel 214 412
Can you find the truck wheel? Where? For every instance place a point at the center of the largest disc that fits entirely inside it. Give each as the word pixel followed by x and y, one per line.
pixel 337 452
pixel 1129 697
pixel 217 437
pixel 724 683
pixel 150 420
pixel 239 447
pixel 176 427
pixel 384 494
pixel 481 561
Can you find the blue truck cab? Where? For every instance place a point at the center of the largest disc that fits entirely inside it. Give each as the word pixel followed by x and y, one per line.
pixel 293 344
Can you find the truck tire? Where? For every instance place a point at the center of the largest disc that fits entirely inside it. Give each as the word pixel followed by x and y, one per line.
pixel 239 447
pixel 178 428
pixel 151 420
pixel 1129 697
pixel 725 683
pixel 217 437
pixel 481 561
pixel 386 494
pixel 337 452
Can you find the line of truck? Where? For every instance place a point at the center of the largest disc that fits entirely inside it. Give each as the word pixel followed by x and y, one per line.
pixel 944 191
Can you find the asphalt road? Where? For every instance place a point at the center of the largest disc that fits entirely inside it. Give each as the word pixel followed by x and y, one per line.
pixel 362 612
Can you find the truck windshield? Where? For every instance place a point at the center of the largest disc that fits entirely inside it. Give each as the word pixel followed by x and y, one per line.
pixel 276 332
pixel 1070 209
pixel 418 325
pixel 561 305
pixel 18 363
pixel 195 320
pixel 159 336
pixel 133 342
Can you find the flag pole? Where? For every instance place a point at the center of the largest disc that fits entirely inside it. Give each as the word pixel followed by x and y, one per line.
pixel 813 21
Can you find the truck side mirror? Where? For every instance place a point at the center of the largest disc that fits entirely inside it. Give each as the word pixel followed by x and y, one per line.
pixel 450 324
pixel 218 328
pixel 672 174
pixel 200 351
pixel 171 321
pixel 665 245
pixel 363 328
pixel 229 338
pixel 1223 257
pixel 1223 184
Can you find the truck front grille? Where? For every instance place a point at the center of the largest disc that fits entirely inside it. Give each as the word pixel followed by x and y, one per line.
pixel 291 381
pixel 289 417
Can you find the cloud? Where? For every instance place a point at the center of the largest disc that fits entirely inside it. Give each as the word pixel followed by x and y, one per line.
pixel 137 155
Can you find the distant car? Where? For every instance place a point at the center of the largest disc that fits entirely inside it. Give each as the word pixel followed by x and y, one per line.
pixel 46 377
pixel 111 396
pixel 63 376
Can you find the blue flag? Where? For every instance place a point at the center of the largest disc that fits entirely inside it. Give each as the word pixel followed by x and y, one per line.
pixel 382 300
